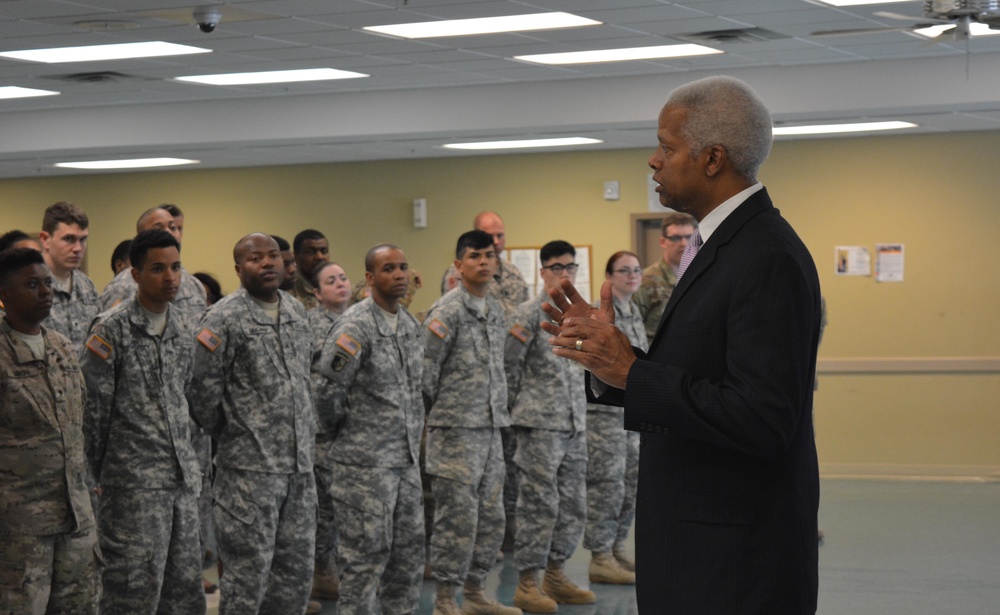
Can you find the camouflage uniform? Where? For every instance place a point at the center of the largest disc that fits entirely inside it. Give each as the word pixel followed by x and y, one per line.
pixel 139 449
pixel 508 287
pixel 49 557
pixel 190 304
pixel 548 410
pixel 466 388
pixel 250 391
pixel 304 292
pixel 370 402
pixel 73 310
pixel 613 456
pixel 658 281
pixel 321 322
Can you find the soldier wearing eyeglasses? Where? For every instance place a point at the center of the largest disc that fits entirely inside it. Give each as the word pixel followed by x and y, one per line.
pixel 548 411
pixel 659 279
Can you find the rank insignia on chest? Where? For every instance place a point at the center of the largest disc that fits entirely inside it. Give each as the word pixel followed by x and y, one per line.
pixel 520 333
pixel 99 347
pixel 208 339
pixel 438 328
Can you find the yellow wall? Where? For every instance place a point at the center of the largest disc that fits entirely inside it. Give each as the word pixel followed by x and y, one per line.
pixel 937 194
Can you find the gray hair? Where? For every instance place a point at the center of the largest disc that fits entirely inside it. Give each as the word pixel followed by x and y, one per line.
pixel 725 111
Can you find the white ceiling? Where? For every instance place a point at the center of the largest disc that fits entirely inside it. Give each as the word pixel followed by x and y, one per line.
pixel 422 94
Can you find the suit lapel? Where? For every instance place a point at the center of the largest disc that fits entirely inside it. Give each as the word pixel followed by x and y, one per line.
pixel 757 203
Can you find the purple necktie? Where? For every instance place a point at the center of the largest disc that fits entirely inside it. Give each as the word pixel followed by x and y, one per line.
pixel 689 253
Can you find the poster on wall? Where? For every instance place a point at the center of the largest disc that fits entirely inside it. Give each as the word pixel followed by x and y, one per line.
pixel 852 260
pixel 889 262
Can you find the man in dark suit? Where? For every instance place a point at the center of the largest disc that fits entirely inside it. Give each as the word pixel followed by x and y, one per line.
pixel 728 479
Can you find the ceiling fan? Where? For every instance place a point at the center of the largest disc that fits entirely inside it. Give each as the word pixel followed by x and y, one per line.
pixel 958 14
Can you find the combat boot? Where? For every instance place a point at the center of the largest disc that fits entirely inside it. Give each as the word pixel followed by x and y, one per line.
pixel 558 586
pixel 478 603
pixel 604 568
pixel 445 603
pixel 313 607
pixel 325 586
pixel 530 597
pixel 623 557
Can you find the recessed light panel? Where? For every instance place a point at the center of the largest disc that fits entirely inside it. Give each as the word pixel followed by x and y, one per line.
pixel 560 142
pixel 828 129
pixel 135 163
pixel 94 53
pixel 274 76
pixel 484 25
pixel 11 91
pixel 620 55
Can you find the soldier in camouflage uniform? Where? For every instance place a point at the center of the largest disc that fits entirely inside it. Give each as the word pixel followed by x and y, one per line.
pixel 465 388
pixel 64 244
pixel 250 390
pixel 333 291
pixel 659 279
pixel 311 250
pixel 137 364
pixel 370 402
pixel 612 452
pixel 49 557
pixel 548 410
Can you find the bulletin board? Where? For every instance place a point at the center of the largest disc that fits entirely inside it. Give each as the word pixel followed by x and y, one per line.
pixel 527 261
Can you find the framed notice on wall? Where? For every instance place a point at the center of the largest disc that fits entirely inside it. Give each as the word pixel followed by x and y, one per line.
pixel 527 261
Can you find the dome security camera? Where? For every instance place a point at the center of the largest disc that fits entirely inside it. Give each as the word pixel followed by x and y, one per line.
pixel 207 18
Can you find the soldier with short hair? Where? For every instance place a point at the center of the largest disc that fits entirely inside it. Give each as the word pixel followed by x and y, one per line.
pixel 370 402
pixel 137 364
pixel 65 229
pixel 548 410
pixel 250 391
pixel 660 278
pixel 49 555
pixel 465 389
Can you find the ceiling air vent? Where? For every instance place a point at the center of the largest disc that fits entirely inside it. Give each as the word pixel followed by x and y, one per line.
pixel 105 76
pixel 732 37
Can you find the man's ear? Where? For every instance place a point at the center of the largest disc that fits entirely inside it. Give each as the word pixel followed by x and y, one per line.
pixel 717 157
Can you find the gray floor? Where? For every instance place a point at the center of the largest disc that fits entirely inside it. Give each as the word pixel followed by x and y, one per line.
pixel 891 548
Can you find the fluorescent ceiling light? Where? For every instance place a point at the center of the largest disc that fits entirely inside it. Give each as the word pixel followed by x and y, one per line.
pixel 826 129
pixel 561 142
pixel 484 25
pixel 92 53
pixel 274 76
pixel 620 55
pixel 135 163
pixel 975 29
pixel 12 91
pixel 859 2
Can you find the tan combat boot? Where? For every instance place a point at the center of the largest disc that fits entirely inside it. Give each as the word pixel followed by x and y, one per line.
pixel 325 586
pixel 478 603
pixel 604 568
pixel 445 603
pixel 623 557
pixel 529 597
pixel 558 586
pixel 313 607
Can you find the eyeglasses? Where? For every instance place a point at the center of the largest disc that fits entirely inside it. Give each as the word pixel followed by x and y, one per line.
pixel 558 268
pixel 626 271
pixel 676 238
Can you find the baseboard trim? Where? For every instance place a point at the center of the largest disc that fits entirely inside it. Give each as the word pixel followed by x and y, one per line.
pixel 911 472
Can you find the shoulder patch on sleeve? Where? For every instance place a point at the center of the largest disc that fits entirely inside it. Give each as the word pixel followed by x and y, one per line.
pixel 438 328
pixel 349 344
pixel 520 333
pixel 99 347
pixel 208 339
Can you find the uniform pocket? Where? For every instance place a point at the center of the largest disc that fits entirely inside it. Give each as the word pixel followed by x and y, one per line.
pixel 236 505
pixel 361 520
pixel 11 575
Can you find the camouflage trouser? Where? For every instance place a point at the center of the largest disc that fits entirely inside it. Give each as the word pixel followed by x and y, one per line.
pixel 380 519
pixel 551 495
pixel 510 482
pixel 266 529
pixel 467 470
pixel 326 523
pixel 203 450
pixel 60 573
pixel 612 477
pixel 150 540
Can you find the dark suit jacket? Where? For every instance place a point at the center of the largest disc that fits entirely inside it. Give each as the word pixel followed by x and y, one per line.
pixel 728 477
